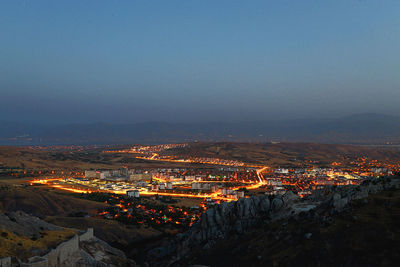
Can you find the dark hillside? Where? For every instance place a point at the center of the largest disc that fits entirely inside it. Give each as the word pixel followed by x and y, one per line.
pixel 282 154
pixel 42 201
pixel 367 233
pixel 357 129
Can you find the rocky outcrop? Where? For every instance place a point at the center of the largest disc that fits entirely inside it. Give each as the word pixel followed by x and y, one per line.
pixel 336 199
pixel 235 218
pixel 229 218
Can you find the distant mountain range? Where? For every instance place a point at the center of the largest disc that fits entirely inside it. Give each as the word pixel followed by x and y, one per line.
pixel 355 129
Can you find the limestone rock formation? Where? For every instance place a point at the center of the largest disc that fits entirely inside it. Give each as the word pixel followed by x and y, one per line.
pixel 235 218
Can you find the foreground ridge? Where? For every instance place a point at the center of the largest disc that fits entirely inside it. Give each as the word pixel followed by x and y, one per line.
pixel 230 220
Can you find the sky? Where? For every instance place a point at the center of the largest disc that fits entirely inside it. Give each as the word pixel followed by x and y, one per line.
pixel 197 60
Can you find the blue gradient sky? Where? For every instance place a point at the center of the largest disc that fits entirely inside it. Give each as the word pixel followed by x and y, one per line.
pixel 131 61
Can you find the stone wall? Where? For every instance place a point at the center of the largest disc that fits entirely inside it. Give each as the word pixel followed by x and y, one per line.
pixel 90 261
pixel 80 250
pixel 88 235
pixel 63 252
pixel 36 262
pixel 5 262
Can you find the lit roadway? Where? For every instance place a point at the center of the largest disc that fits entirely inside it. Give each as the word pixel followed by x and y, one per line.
pixel 215 195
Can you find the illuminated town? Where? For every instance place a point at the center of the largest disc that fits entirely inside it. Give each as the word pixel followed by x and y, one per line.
pixel 149 195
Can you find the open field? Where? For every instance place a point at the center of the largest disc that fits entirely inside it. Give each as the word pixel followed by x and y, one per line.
pixel 26 158
pixel 42 201
pixel 275 155
pixel 21 157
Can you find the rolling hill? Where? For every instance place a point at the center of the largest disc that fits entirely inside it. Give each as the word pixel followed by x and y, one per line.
pixel 357 129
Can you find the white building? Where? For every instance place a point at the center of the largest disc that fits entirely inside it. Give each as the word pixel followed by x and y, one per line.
pixel 196 186
pixel 97 174
pixel 274 182
pixel 133 193
pixel 140 184
pixel 190 178
pixel 154 187
pixel 105 174
pixel 92 174
pixel 169 185
pixel 140 176
pixel 282 171
pixel 240 194
pixel 202 186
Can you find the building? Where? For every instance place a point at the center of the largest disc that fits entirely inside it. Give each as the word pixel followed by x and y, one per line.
pixel 274 181
pixel 239 194
pixel 140 183
pixel 214 188
pixel 227 191
pixel 97 174
pixel 196 186
pixel 201 186
pixel 133 193
pixel 169 185
pixel 92 174
pixel 105 174
pixel 155 187
pixel 282 171
pixel 190 178
pixel 140 176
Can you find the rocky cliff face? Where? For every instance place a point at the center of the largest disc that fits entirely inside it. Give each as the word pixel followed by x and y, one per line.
pixel 235 218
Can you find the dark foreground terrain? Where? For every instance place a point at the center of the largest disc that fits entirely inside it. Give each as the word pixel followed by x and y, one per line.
pixel 351 226
pixel 336 226
pixel 366 234
pixel 345 226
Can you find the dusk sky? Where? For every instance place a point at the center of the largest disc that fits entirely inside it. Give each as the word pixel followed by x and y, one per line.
pixel 197 60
